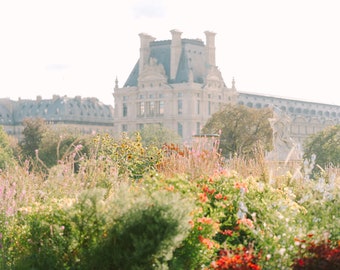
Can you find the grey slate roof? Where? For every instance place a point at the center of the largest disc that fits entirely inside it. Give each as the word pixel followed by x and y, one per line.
pixel 192 58
pixel 59 109
pixel 6 117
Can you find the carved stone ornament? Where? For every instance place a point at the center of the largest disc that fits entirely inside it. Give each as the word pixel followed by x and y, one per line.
pixel 152 72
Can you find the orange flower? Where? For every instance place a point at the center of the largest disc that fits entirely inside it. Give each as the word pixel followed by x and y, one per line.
pixel 205 220
pixel 246 221
pixel 218 196
pixel 227 232
pixel 206 241
pixel 192 224
pixel 241 186
pixel 170 188
pixel 203 197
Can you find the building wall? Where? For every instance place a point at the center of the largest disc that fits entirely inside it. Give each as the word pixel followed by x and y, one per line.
pixel 306 118
pixel 175 83
pixel 84 115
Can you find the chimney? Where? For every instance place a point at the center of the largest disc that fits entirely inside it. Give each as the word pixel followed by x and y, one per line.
pixel 176 49
pixel 145 40
pixel 210 48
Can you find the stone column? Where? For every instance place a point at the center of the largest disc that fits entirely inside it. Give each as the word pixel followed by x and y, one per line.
pixel 176 49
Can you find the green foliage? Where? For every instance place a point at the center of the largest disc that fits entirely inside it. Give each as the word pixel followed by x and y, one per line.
pixel 46 245
pixel 157 135
pixel 60 145
pixel 34 129
pixel 324 146
pixel 132 230
pixel 146 230
pixel 243 131
pixel 57 234
pixel 129 155
pixel 6 151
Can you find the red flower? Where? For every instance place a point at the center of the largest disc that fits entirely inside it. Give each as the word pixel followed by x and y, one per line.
pixel 301 262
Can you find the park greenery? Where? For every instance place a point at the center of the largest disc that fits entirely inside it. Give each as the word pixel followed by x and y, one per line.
pixel 70 201
pixel 243 130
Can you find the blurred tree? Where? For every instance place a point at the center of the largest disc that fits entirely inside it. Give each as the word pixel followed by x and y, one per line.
pixel 59 144
pixel 34 129
pixel 157 135
pixel 324 147
pixel 243 131
pixel 6 151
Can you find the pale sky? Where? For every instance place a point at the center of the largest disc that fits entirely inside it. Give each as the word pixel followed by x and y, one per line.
pixel 287 48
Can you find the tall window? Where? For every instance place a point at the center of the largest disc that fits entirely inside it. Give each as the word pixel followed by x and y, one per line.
pixel 141 108
pixel 152 108
pixel 209 107
pixel 161 107
pixel 180 129
pixel 180 106
pixel 198 128
pixel 124 128
pixel 125 110
pixel 198 106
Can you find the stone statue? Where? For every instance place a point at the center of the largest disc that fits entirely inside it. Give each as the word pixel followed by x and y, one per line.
pixel 285 148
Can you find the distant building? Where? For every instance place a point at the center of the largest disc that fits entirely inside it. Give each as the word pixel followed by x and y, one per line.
pixel 306 117
pixel 86 115
pixel 176 83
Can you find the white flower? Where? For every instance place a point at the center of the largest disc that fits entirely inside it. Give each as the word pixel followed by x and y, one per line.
pixel 282 251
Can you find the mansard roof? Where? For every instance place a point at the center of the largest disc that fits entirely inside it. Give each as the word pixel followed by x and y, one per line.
pixel 60 109
pixel 192 59
pixel 6 117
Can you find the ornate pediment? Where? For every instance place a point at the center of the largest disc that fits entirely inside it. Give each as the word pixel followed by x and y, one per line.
pixel 214 78
pixel 152 73
pixel 214 75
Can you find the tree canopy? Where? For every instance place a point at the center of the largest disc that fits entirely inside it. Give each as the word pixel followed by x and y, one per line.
pixel 324 147
pixel 6 151
pixel 157 135
pixel 33 132
pixel 243 130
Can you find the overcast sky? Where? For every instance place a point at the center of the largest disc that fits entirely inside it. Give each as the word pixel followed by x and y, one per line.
pixel 288 48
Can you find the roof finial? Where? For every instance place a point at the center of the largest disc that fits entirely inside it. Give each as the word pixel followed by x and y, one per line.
pixel 116 83
pixel 233 83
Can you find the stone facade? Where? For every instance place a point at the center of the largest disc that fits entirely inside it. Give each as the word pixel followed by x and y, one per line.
pixel 86 115
pixel 175 83
pixel 304 117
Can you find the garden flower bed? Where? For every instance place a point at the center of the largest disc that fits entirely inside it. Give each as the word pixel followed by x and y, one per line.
pixel 132 207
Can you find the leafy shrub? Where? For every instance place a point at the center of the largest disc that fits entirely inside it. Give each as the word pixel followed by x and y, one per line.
pixel 144 233
pixel 323 148
pixel 57 234
pixel 6 152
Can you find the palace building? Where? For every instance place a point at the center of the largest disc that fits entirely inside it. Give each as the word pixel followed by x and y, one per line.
pixel 174 83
